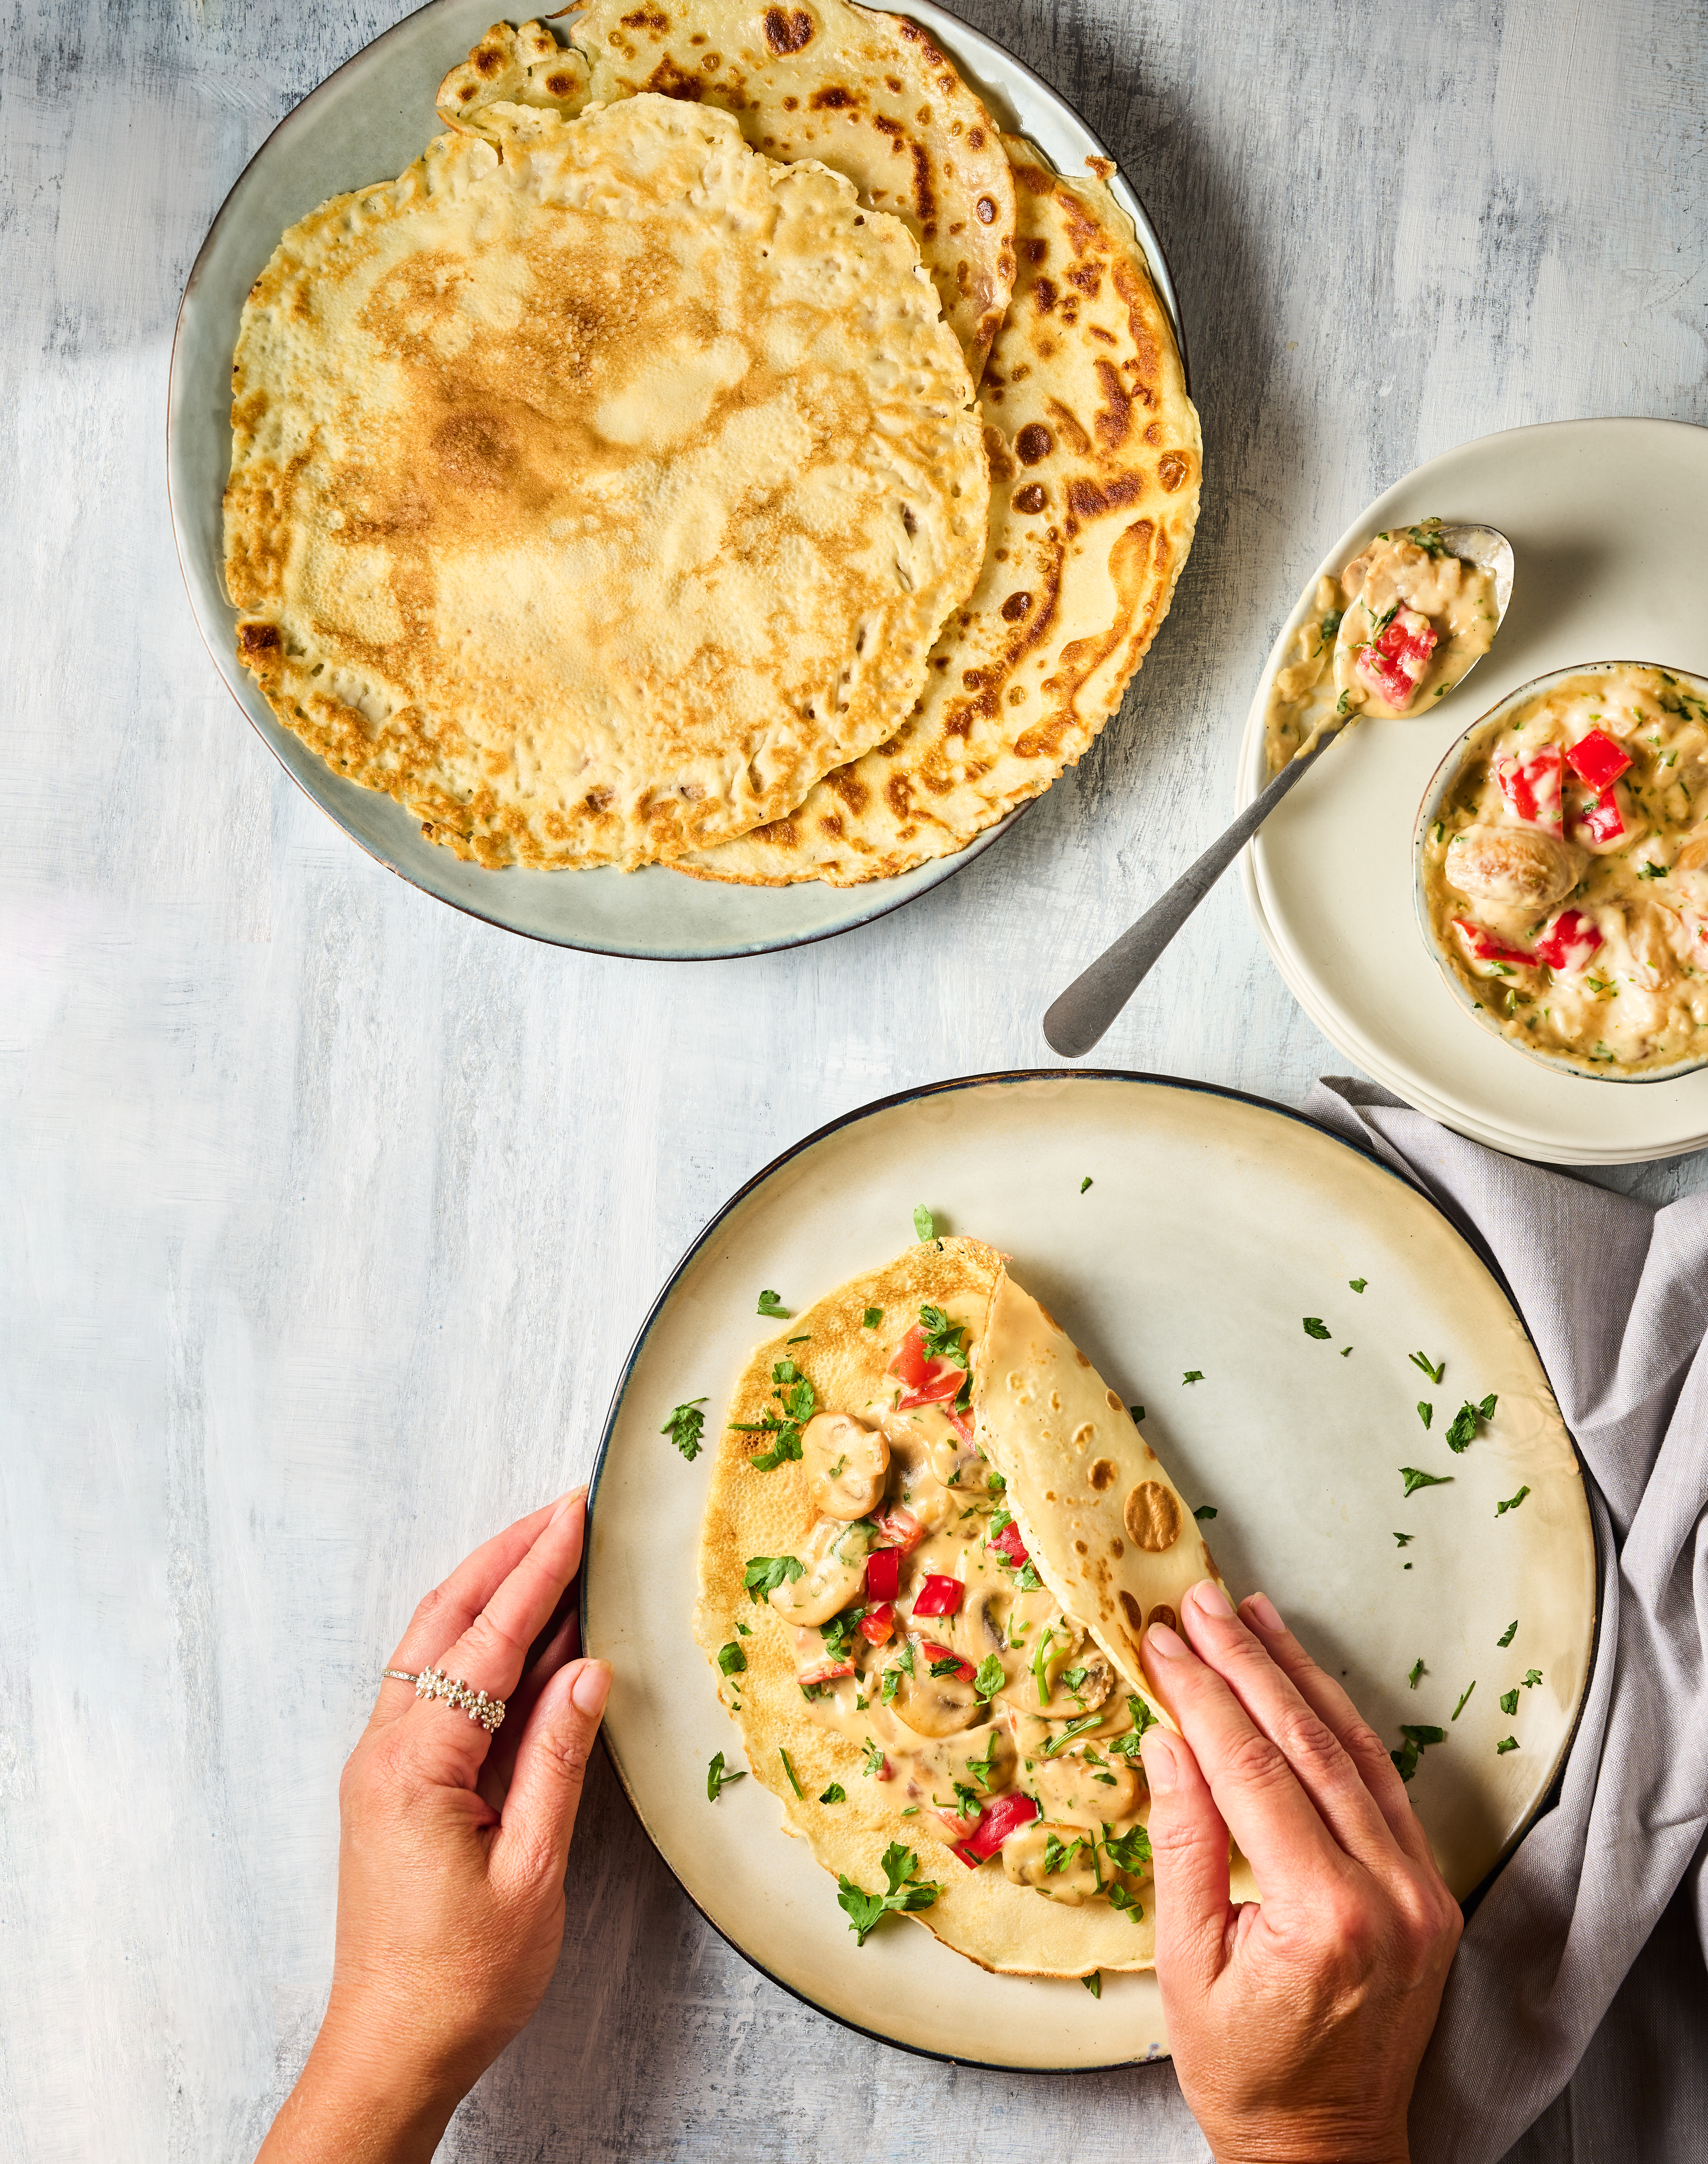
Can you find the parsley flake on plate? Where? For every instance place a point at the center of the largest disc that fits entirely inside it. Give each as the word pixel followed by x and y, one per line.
pixel 1433 1370
pixel 1404 1540
pixel 717 1780
pixel 1094 1983
pixel 1508 1636
pixel 1468 1419
pixel 1511 1502
pixel 1510 1743
pixel 684 1427
pixel 1204 1512
pixel 1416 1672
pixel 1531 1678
pixel 1463 1696
pixel 1358 1284
pixel 731 1659
pixel 1316 1327
pixel 769 1303
pixel 1193 1375
pixel 1085 1184
pixel 1138 1413
pixel 924 1228
pixel 1509 1700
pixel 1414 1479
pixel 1426 1411
pixel 906 1892
pixel 1417 1741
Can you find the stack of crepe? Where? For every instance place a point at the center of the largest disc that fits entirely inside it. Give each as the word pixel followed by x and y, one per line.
pixel 723 447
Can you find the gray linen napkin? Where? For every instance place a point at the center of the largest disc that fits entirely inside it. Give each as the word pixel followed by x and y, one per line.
pixel 1615 1295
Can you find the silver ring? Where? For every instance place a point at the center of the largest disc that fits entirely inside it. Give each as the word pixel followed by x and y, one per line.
pixel 434 1682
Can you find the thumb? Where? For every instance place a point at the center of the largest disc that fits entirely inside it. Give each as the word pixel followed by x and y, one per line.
pixel 1189 1858
pixel 551 1762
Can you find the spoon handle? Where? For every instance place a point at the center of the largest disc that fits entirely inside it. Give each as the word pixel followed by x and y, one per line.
pixel 1080 1014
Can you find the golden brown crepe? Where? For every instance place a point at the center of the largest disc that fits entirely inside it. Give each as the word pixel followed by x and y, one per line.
pixel 871 95
pixel 1095 461
pixel 594 489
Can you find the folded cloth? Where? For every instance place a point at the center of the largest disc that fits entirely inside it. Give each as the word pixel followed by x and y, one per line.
pixel 1615 1293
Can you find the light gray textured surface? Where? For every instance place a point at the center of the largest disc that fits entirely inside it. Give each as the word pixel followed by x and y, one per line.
pixel 329 1215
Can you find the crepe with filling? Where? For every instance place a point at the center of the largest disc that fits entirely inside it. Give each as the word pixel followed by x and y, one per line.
pixel 1095 458
pixel 871 95
pixel 1111 1532
pixel 594 490
pixel 1077 1756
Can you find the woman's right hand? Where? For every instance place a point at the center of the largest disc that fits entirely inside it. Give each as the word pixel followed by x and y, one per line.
pixel 1297 2024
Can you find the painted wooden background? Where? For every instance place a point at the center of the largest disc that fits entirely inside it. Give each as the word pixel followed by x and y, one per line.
pixel 326 1215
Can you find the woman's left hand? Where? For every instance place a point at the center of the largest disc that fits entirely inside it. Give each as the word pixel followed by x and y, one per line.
pixel 452 1861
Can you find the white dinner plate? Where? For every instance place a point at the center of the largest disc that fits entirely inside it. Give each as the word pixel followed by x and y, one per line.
pixel 366 122
pixel 1609 526
pixel 1214 1224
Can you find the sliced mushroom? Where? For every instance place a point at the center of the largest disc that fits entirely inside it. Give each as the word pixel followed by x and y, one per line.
pixel 834 1557
pixel 1078 1792
pixel 846 1464
pixel 983 1758
pixel 1078 1677
pixel 1027 1856
pixel 935 1705
pixel 1515 867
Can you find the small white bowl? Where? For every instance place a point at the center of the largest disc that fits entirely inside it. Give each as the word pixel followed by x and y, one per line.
pixel 1441 783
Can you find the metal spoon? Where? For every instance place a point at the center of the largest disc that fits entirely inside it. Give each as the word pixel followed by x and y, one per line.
pixel 1079 1017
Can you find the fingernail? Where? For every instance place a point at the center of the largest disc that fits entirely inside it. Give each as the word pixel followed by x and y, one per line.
pixel 1161 1639
pixel 1263 1613
pixel 1209 1599
pixel 1161 1769
pixel 565 1504
pixel 591 1688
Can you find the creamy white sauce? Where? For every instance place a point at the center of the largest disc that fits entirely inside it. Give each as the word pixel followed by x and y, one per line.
pixel 1325 675
pixel 1640 1000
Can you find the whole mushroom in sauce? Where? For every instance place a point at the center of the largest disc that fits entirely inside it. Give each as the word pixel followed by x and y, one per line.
pixel 847 1465
pixel 1519 868
pixel 936 1705
pixel 833 1573
pixel 1059 1860
pixel 1070 1789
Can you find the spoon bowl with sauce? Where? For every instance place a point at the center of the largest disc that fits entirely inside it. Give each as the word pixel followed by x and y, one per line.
pixel 1408 620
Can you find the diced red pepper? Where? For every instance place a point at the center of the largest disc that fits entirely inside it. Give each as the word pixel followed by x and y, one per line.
pixel 1394 662
pixel 1597 759
pixel 961 1424
pixel 938 1595
pixel 924 1382
pixel 1012 1545
pixel 901 1529
pixel 877 1624
pixel 826 1672
pixel 883 1573
pixel 1482 946
pixel 1531 785
pixel 1603 821
pixel 1001 1816
pixel 1572 939
pixel 965 1671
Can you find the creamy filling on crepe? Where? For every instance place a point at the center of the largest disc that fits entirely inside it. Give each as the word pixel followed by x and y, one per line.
pixel 906 1665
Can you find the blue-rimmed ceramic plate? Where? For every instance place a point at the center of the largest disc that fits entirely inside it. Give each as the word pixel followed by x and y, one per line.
pixel 367 122
pixel 1212 1225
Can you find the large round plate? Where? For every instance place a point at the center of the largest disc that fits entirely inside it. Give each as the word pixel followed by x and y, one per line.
pixel 1609 526
pixel 368 120
pixel 1213 1223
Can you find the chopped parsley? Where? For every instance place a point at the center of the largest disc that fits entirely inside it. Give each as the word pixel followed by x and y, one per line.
pixel 1416 1672
pixel 765 1574
pixel 891 1685
pixel 951 1665
pixel 1463 1696
pixel 1433 1370
pixel 1346 1352
pixel 1119 1898
pixel 997 1485
pixel 1414 1479
pixel 788 1769
pixel 1531 1678
pixel 1511 1502
pixel 835 1793
pixel 1652 872
pixel 1316 1327
pixel 717 1780
pixel 906 1892
pixel 1085 1184
pixel 684 1427
pixel 1510 1743
pixel 1093 1983
pixel 1193 1375
pixel 1417 1741
pixel 1204 1512
pixel 965 1800
pixel 1138 1413
pixel 741 1629
pixel 1508 1636
pixel 1059 1743
pixel 1039 1659
pixel 731 1659
pixel 1358 1284
pixel 872 1317
pixel 1127 1746
pixel 988 1681
pixel 769 1303
pixel 1509 1700
pixel 1059 1854
pixel 1130 1851
pixel 924 1228
pixel 872 1761
pixel 1468 1419
pixel 798 1400
pixel 1426 1411
pixel 1404 1540
pixel 983 1769
pixel 941 1336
